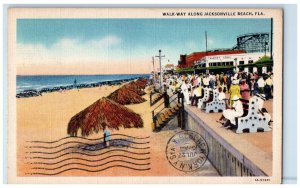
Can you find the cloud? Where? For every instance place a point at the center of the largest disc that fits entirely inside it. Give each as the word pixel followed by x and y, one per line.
pixel 107 55
pixel 107 41
pixel 67 50
pixel 210 41
pixel 191 45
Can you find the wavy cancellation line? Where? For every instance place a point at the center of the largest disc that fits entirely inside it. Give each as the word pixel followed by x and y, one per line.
pixel 88 160
pixel 91 155
pixel 83 149
pixel 69 137
pixel 127 146
pixel 77 142
pixel 93 166
pixel 51 174
pixel 133 154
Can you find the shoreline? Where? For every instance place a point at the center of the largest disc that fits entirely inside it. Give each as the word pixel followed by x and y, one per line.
pixel 19 75
pixel 39 92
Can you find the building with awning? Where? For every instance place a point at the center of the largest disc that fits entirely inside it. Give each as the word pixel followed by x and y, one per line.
pixel 189 60
pixel 248 62
pixel 252 53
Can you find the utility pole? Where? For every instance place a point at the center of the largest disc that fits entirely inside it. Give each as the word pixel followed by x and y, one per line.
pixel 161 78
pixel 235 64
pixel 265 47
pixel 271 46
pixel 205 43
pixel 153 70
pixel 207 70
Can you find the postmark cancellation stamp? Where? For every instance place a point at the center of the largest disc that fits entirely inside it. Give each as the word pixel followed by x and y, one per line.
pixel 187 151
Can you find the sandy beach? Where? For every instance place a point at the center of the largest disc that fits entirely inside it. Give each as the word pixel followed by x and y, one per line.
pixel 45 118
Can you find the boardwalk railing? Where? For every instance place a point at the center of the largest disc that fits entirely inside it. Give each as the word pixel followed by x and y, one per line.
pixel 163 112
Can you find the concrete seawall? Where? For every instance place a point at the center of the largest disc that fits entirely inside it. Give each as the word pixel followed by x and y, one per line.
pixel 228 159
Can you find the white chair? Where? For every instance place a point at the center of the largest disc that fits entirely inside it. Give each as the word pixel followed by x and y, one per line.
pixel 205 98
pixel 254 120
pixel 215 105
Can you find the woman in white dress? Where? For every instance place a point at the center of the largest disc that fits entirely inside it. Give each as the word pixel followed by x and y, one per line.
pixel 184 89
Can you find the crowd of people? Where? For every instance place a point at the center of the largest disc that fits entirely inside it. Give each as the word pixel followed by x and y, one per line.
pixel 234 85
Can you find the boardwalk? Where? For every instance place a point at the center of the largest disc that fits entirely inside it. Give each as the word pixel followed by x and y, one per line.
pixel 255 147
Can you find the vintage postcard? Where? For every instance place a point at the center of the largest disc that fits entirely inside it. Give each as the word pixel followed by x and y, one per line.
pixel 144 95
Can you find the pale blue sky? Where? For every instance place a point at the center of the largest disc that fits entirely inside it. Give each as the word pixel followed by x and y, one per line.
pixel 149 32
pixel 128 39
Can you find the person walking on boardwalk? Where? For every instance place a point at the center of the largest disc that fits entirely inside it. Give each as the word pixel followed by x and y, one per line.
pixel 252 86
pixel 106 137
pixel 205 81
pixel 222 95
pixel 261 84
pixel 245 90
pixel 212 81
pixel 221 78
pixel 199 79
pixel 184 89
pixel 268 88
pixel 234 91
pixel 228 82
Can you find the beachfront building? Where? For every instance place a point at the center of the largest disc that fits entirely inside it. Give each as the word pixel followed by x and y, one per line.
pixel 248 62
pixel 187 61
pixel 252 52
pixel 169 68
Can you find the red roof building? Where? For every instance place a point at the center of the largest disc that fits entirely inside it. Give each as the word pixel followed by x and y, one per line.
pixel 188 60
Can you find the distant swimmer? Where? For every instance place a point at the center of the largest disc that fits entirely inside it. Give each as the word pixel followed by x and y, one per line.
pixel 75 83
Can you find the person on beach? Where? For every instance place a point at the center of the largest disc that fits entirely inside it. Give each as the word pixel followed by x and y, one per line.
pixel 106 137
pixel 75 84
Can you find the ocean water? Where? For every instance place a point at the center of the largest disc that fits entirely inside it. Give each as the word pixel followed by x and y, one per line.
pixel 39 82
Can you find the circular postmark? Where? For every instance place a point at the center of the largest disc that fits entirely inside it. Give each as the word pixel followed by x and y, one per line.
pixel 187 151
